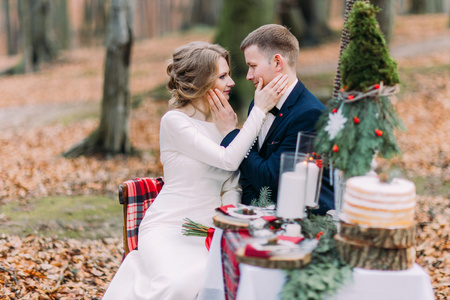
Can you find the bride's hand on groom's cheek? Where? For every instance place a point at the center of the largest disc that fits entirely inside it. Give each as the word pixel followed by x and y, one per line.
pixel 267 97
pixel 223 115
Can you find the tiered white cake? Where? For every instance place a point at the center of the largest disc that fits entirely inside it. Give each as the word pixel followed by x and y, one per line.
pixel 377 225
pixel 370 202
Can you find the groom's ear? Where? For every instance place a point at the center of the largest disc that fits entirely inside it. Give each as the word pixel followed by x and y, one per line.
pixel 279 62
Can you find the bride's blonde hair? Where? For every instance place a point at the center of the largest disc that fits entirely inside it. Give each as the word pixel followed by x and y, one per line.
pixel 193 71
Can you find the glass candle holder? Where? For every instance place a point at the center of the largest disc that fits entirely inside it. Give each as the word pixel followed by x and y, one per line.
pixel 312 170
pixel 305 145
pixel 292 185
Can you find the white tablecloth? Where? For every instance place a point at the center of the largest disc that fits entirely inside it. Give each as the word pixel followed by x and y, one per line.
pixel 213 288
pixel 259 283
pixel 413 284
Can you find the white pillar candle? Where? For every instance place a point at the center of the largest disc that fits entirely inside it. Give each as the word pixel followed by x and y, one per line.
pixel 311 171
pixel 291 196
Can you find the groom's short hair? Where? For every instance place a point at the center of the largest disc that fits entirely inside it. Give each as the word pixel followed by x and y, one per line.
pixel 272 39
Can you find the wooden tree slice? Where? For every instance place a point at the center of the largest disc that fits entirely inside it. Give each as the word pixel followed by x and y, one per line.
pixel 227 222
pixel 374 258
pixel 293 261
pixel 379 237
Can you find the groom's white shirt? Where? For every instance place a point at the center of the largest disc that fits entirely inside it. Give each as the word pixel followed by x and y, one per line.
pixel 270 117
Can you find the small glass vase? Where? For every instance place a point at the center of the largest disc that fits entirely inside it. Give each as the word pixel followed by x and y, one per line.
pixel 339 182
pixel 339 189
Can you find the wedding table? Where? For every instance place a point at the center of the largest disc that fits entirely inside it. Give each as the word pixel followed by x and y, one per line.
pixel 412 284
pixel 225 276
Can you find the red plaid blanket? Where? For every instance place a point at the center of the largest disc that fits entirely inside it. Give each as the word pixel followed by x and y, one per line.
pixel 141 194
pixel 231 241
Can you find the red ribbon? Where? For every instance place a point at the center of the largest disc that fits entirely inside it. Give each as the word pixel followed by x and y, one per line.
pixel 269 218
pixel 209 236
pixel 225 208
pixel 253 252
pixel 294 239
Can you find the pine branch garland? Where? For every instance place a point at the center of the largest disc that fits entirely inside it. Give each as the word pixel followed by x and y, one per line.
pixel 327 271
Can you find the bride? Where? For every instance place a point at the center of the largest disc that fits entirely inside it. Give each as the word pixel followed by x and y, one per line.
pixel 199 174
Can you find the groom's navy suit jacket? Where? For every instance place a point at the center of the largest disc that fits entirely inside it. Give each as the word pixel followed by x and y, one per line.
pixel 299 112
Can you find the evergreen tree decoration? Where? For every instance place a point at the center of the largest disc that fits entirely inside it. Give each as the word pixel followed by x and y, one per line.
pixel 360 122
pixel 345 40
pixel 366 60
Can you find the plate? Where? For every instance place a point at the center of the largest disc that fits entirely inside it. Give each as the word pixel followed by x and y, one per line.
pixel 237 212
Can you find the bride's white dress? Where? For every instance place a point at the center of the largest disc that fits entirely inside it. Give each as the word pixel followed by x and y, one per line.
pixel 199 176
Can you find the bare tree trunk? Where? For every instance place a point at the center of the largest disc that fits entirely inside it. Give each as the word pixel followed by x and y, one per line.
pixel 42 45
pixel 320 10
pixel 238 19
pixel 307 20
pixel 419 6
pixel 386 17
pixel 315 14
pixel 94 22
pixel 11 30
pixel 27 36
pixel 60 22
pixel 434 6
pixel 112 135
pixel 204 12
pixel 35 29
pixel 292 17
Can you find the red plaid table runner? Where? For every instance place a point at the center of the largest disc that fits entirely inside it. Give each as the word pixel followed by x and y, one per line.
pixel 231 241
pixel 141 194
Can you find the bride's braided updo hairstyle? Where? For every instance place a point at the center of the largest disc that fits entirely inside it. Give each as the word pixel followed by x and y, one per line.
pixel 193 71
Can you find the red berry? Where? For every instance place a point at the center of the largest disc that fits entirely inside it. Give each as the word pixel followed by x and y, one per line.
pixel 356 120
pixel 334 110
pixel 319 163
pixel 378 132
pixel 351 97
pixel 319 235
pixel 377 86
pixel 335 148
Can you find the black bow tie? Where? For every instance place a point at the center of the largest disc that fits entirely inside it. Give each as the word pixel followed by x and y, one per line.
pixel 274 111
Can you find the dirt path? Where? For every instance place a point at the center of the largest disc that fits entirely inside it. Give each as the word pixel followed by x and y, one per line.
pixel 41 114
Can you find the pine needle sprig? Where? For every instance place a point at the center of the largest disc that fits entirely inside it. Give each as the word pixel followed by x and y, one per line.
pixel 264 199
pixel 191 228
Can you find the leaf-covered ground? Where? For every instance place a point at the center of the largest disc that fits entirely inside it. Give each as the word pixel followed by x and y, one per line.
pixel 46 113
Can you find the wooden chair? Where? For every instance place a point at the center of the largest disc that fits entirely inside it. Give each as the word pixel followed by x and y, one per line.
pixel 136 196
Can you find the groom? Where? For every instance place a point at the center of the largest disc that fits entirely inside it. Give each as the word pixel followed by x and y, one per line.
pixel 271 50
